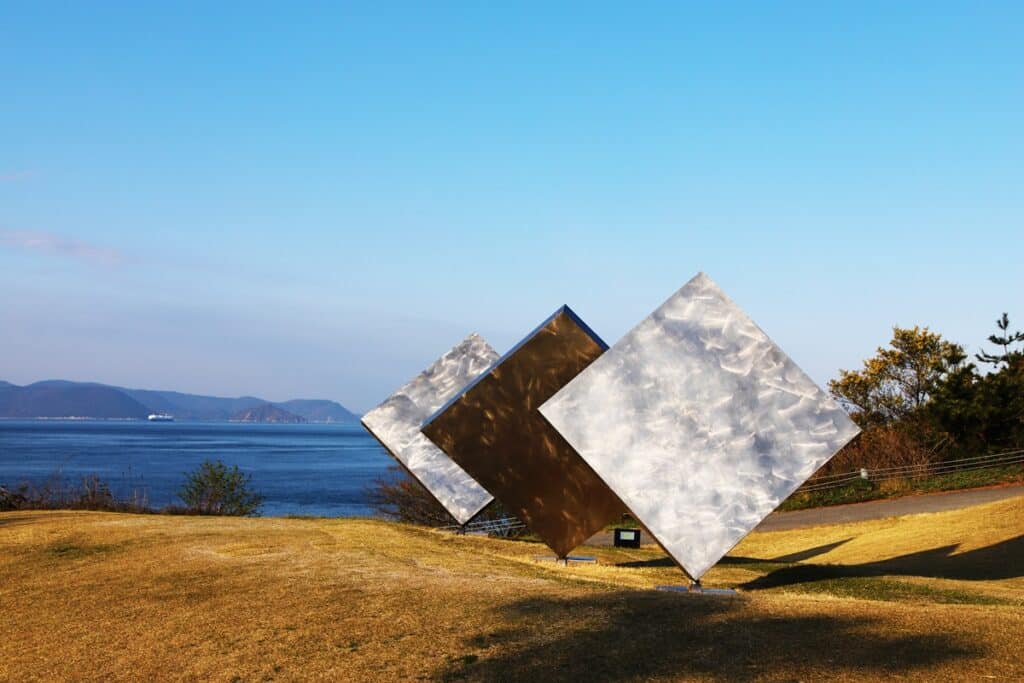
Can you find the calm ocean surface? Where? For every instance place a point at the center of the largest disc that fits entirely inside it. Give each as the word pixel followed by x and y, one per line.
pixel 299 469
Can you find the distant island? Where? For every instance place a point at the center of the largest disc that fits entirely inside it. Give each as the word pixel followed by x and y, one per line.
pixel 90 400
pixel 268 413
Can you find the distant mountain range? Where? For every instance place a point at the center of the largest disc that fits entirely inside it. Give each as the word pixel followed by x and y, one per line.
pixel 60 398
pixel 268 412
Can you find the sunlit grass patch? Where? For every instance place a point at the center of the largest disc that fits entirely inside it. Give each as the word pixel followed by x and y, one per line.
pixel 96 596
pixel 890 590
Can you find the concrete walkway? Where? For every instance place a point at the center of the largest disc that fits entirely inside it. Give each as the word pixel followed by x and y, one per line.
pixel 858 512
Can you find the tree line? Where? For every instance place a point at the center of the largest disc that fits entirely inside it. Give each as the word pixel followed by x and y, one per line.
pixel 212 488
pixel 922 399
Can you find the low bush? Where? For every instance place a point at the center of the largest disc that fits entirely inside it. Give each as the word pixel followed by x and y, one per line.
pixel 883 447
pixel 216 489
pixel 212 489
pixel 90 493
pixel 400 497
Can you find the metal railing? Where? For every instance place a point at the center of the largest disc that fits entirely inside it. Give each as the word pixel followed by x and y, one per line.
pixel 978 462
pixel 504 527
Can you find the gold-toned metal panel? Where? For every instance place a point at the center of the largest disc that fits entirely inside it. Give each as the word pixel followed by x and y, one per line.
pixel 494 431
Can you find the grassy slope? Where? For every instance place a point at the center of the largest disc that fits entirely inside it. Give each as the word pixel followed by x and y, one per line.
pixel 96 595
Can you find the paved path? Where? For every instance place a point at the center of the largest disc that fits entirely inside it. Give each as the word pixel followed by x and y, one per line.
pixel 858 512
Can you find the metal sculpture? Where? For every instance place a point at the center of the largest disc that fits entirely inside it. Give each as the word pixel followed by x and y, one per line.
pixel 493 430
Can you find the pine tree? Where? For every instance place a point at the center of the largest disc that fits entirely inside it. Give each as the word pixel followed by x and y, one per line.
pixel 1005 340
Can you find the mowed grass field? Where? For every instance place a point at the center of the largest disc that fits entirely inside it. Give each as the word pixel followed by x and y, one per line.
pixel 97 596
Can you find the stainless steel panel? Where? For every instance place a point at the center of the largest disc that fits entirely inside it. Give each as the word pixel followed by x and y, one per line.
pixel 700 423
pixel 396 424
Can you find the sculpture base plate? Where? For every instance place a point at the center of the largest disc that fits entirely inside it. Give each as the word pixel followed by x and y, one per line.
pixel 581 559
pixel 697 590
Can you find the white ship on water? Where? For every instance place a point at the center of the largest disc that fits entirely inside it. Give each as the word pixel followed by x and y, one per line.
pixel 160 417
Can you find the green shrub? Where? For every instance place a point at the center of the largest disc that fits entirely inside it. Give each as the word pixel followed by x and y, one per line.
pixel 215 489
pixel 13 499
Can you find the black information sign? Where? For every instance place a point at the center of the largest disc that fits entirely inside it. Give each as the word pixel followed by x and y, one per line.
pixel 627 538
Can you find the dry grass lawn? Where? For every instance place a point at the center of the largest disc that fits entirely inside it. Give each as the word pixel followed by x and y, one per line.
pixel 96 596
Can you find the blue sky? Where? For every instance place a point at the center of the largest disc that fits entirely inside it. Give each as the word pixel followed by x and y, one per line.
pixel 317 201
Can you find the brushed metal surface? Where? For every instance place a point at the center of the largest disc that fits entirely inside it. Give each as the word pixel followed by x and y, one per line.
pixel 493 430
pixel 396 425
pixel 699 423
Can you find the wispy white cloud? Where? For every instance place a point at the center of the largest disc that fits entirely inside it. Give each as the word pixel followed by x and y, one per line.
pixel 15 176
pixel 48 243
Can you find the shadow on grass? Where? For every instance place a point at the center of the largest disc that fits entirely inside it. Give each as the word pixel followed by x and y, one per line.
pixel 73 549
pixel 805 555
pixel 1003 560
pixel 10 518
pixel 654 562
pixel 640 635
pixel 735 559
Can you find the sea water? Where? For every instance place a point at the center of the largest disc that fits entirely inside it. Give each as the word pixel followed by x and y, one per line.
pixel 305 469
